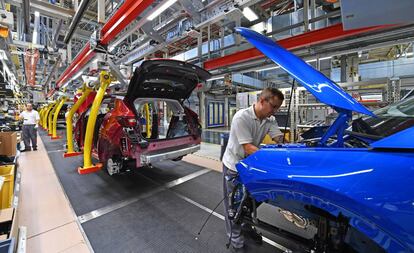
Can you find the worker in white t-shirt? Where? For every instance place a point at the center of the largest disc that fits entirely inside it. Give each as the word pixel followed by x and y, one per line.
pixel 248 129
pixel 30 119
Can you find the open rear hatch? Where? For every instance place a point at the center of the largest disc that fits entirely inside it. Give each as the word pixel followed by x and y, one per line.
pixel 165 79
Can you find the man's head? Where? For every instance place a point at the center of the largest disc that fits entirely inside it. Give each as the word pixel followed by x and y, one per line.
pixel 269 102
pixel 29 107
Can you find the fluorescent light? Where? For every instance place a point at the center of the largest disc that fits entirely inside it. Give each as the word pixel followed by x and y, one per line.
pixel 249 14
pixel 270 68
pixel 34 38
pixel 77 75
pixel 111 48
pixel 216 78
pixel 37 14
pixel 325 58
pixel 161 9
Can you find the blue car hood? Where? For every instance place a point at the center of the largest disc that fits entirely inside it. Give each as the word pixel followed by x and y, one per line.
pixel 400 140
pixel 324 89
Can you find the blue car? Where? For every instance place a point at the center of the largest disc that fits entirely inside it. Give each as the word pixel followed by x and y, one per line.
pixel 354 182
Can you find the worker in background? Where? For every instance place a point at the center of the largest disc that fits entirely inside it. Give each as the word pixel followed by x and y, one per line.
pixel 30 119
pixel 248 129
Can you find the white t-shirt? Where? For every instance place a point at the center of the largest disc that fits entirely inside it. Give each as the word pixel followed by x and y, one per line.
pixel 30 118
pixel 247 128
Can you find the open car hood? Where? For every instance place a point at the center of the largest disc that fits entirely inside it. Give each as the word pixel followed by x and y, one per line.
pixel 324 89
pixel 163 78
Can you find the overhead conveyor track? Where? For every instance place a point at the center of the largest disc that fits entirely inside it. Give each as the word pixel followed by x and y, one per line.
pixel 128 12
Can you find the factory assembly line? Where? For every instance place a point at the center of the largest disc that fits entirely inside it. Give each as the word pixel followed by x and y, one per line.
pixel 206 126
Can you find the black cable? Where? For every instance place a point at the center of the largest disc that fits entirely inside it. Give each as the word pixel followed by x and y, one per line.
pixel 208 218
pixel 288 111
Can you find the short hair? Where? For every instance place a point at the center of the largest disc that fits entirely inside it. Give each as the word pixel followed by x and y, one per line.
pixel 270 92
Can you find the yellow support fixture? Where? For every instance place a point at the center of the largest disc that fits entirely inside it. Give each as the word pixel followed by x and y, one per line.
pixel 45 120
pixel 55 118
pixel 41 115
pixel 69 125
pixel 147 120
pixel 88 167
pixel 50 118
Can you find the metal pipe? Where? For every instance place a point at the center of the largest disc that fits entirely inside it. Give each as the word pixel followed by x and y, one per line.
pixel 55 118
pixel 50 118
pixel 88 167
pixel 76 19
pixel 313 20
pixel 26 16
pixel 52 72
pixel 69 119
pixel 56 35
pixel 44 120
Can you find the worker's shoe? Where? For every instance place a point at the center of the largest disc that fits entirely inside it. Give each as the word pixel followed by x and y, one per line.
pixel 251 232
pixel 25 150
pixel 238 250
pixel 34 149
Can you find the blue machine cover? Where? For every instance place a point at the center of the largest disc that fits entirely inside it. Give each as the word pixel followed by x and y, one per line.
pixel 315 82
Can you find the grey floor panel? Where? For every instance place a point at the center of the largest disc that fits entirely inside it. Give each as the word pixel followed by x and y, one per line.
pixel 206 190
pixel 160 223
pixel 92 191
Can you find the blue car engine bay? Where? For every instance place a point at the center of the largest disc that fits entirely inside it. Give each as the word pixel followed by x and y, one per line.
pixel 347 186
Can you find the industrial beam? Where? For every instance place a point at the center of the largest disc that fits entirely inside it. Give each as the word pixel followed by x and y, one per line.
pixel 128 12
pixel 327 34
pixel 26 16
pixel 76 19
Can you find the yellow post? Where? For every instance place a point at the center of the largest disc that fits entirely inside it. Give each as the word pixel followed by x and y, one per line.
pixel 88 167
pixel 42 121
pixel 48 112
pixel 41 116
pixel 55 118
pixel 69 127
pixel 50 118
pixel 147 120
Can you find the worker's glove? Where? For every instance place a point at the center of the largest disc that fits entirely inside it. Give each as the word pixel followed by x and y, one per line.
pixel 36 126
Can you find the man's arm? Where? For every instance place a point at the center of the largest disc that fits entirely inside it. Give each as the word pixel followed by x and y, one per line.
pixel 37 118
pixel 244 135
pixel 274 132
pixel 249 148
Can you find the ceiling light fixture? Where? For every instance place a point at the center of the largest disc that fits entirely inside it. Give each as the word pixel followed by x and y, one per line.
pixel 161 9
pixel 269 68
pixel 249 14
pixel 215 78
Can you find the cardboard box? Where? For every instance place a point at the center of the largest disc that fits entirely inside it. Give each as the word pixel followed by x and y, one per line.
pixel 6 214
pixel 8 144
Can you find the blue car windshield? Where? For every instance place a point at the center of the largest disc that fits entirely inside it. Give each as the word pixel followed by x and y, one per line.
pixel 403 108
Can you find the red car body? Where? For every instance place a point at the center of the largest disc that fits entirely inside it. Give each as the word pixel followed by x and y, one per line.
pixel 121 137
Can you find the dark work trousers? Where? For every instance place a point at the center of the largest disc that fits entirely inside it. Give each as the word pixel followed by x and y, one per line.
pixel 237 238
pixel 29 134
